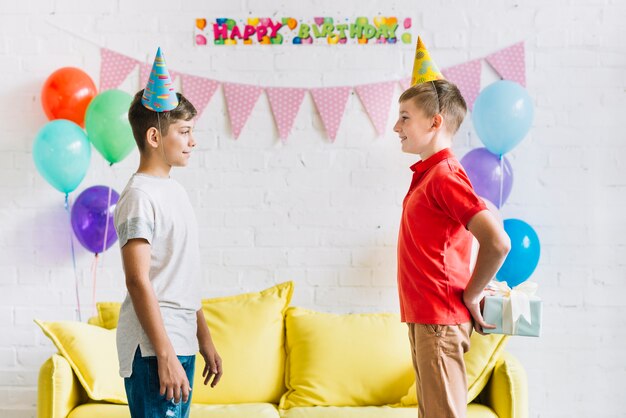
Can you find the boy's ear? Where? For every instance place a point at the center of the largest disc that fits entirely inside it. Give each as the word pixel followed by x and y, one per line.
pixel 152 137
pixel 437 121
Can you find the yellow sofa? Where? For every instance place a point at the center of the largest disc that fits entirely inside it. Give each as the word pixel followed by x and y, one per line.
pixel 279 361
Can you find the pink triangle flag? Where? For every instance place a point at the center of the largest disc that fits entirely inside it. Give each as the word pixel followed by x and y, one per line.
pixel 405 83
pixel 331 103
pixel 510 63
pixel 198 90
pixel 376 99
pixel 467 78
pixel 114 68
pixel 285 103
pixel 240 100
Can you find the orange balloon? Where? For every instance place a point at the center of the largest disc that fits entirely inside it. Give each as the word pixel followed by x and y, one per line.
pixel 66 93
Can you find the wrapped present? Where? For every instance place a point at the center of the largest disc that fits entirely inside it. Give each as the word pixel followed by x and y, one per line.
pixel 514 311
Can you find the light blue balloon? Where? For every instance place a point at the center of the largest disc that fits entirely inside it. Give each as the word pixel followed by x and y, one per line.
pixel 62 153
pixel 524 255
pixel 502 116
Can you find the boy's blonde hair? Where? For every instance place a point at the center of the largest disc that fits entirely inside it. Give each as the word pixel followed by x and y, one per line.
pixel 438 97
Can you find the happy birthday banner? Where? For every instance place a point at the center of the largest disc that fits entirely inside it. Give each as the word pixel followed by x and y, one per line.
pixel 291 31
pixel 330 102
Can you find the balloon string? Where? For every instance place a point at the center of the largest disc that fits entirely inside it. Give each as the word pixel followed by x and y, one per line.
pixel 501 180
pixel 69 214
pixel 94 274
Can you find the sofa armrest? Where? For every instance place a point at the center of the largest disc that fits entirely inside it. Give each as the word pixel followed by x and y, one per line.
pixel 507 390
pixel 59 390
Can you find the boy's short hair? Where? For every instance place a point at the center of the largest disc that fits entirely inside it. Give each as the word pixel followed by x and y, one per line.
pixel 141 119
pixel 438 96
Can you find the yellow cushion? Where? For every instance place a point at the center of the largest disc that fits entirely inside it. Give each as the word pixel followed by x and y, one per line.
pixel 108 314
pixel 473 411
pixel 93 410
pixel 249 333
pixel 479 363
pixel 92 354
pixel 345 360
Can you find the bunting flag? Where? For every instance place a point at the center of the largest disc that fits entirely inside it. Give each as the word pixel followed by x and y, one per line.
pixel 114 68
pixel 376 99
pixel 198 90
pixel 405 83
pixel 467 78
pixel 510 63
pixel 285 103
pixel 240 99
pixel 331 103
pixel 144 73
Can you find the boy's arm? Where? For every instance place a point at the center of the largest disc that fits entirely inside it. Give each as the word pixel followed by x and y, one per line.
pixel 494 246
pixel 172 376
pixel 212 360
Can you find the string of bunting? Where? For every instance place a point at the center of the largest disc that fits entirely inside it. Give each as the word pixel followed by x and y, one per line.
pixel 330 102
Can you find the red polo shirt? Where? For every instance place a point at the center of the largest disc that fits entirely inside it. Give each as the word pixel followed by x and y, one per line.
pixel 434 244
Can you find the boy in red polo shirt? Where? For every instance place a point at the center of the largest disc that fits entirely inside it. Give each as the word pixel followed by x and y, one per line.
pixel 439 297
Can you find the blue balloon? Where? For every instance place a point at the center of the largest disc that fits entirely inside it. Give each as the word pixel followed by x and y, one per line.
pixel 502 116
pixel 62 153
pixel 524 255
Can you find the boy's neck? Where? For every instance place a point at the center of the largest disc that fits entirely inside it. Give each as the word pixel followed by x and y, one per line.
pixel 438 143
pixel 153 167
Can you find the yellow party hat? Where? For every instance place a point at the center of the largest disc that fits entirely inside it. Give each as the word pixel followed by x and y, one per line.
pixel 424 68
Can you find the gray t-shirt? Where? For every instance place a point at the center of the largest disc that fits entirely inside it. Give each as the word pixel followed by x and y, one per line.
pixel 158 210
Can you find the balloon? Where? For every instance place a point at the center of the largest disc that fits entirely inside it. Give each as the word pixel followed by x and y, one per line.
pixel 107 125
pixel 484 170
pixel 90 214
pixel 524 255
pixel 502 116
pixel 62 153
pixel 496 213
pixel 66 93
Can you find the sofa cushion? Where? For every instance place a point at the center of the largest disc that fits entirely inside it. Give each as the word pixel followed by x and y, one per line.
pixel 263 410
pixel 479 362
pixel 473 411
pixel 91 352
pixel 249 334
pixel 345 360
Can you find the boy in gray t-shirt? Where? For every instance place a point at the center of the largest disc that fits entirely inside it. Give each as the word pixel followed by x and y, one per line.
pixel 161 324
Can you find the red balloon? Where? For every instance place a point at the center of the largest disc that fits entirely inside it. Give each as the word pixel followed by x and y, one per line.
pixel 66 94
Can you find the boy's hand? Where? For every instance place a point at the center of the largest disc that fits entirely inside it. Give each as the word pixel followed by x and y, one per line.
pixel 474 305
pixel 212 364
pixel 173 379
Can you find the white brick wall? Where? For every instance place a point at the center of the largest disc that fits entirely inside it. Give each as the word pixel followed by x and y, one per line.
pixel 326 214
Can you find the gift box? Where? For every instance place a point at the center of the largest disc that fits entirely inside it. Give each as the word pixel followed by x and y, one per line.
pixel 514 311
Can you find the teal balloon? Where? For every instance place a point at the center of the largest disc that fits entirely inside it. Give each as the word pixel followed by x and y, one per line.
pixel 108 129
pixel 502 116
pixel 62 154
pixel 524 255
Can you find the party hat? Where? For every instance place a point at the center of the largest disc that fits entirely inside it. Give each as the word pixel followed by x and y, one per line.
pixel 159 94
pixel 424 68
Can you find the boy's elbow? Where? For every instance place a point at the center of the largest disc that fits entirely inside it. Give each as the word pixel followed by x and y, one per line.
pixel 503 247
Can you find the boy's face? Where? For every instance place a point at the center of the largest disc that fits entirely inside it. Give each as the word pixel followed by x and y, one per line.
pixel 415 130
pixel 179 142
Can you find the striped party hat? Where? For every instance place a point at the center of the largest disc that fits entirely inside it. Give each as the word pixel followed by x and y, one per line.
pixel 159 94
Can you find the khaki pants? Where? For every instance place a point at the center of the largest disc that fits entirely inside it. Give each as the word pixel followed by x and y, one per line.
pixel 440 369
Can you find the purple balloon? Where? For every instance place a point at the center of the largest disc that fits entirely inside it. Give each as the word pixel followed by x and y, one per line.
pixel 485 171
pixel 90 214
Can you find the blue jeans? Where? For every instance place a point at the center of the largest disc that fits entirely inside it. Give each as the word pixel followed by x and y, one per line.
pixel 143 386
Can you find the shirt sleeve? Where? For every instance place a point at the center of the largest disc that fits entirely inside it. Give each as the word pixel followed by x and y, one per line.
pixel 134 217
pixel 455 195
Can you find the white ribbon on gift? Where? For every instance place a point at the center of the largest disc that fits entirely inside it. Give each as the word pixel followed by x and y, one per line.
pixel 515 303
